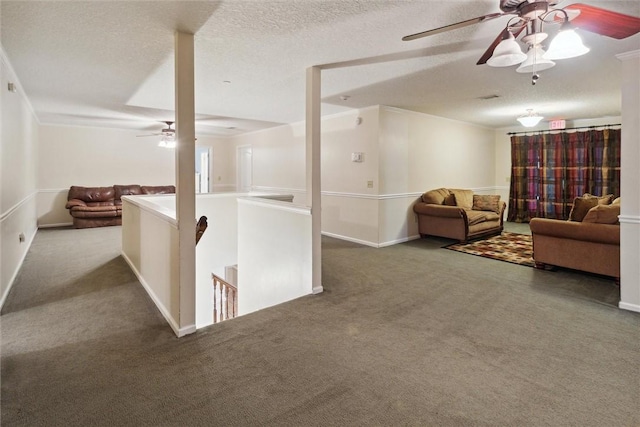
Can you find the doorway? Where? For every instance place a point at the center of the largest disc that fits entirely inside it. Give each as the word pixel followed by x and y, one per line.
pixel 244 168
pixel 203 169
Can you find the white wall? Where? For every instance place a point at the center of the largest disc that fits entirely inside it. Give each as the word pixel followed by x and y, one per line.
pixel 405 154
pixel 630 186
pixel 419 152
pixel 217 249
pixel 18 169
pixel 278 162
pixel 274 253
pixel 150 247
pixel 223 168
pixel 88 156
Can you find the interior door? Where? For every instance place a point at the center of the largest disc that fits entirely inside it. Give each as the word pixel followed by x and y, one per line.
pixel 243 168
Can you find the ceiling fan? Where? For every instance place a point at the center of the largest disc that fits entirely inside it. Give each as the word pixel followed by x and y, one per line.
pixel 167 135
pixel 529 16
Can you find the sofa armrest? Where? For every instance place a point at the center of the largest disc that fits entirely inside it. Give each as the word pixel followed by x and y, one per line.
pixel 439 210
pixel 74 202
pixel 584 231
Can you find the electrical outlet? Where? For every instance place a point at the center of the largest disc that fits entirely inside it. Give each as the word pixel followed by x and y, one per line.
pixel 369 184
pixel 507 179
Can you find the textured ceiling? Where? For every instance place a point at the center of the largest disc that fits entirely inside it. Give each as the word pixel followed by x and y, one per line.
pixel 110 63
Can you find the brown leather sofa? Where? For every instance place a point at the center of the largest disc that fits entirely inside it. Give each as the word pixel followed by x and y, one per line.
pixel 102 206
pixel 459 214
pixel 589 241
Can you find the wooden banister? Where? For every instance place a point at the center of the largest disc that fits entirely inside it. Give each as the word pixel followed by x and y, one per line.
pixel 200 227
pixel 225 300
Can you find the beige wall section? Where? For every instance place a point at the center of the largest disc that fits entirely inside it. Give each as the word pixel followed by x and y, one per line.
pixel 223 176
pixel 439 152
pixel 419 152
pixel 278 156
pixel 630 186
pixel 342 136
pixel 150 247
pixel 404 154
pixel 18 170
pixel 88 156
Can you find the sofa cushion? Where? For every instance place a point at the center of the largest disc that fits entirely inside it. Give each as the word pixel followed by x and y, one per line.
pixel 158 189
pixel 435 197
pixel 486 203
pixel 603 214
pixel 91 194
pixel 616 201
pixel 476 217
pixel 126 190
pixel 464 198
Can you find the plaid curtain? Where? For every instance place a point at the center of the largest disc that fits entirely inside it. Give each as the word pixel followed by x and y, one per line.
pixel 549 170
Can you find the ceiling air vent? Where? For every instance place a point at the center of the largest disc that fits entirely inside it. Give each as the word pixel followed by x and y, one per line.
pixel 484 98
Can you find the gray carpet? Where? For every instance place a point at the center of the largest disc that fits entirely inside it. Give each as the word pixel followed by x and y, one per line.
pixel 410 334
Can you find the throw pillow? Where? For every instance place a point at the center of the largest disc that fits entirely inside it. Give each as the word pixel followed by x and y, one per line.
pixel 616 201
pixel 581 206
pixel 450 200
pixel 464 198
pixel 486 203
pixel 602 200
pixel 435 197
pixel 603 214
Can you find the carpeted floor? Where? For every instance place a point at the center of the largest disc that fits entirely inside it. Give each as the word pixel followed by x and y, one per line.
pixel 405 335
pixel 509 247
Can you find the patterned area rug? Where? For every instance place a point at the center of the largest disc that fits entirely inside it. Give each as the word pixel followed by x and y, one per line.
pixel 509 247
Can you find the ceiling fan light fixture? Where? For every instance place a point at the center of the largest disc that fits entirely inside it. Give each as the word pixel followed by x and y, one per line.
pixel 530 119
pixel 167 140
pixel 507 53
pixel 566 44
pixel 535 61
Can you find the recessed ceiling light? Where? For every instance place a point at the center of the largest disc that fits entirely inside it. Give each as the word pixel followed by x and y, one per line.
pixel 226 81
pixel 344 97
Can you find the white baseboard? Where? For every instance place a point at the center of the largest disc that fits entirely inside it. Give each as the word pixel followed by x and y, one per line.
pixel 395 242
pixel 371 244
pixel 628 306
pixel 350 239
pixel 14 276
pixel 317 290
pixel 61 224
pixel 180 332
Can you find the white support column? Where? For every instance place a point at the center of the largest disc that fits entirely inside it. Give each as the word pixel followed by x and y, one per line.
pixel 185 179
pixel 313 132
pixel 630 183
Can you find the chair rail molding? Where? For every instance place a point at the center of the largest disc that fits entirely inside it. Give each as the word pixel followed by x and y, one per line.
pixel 17 206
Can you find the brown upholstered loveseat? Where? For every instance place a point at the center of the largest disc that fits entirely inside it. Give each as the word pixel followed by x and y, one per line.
pixel 459 214
pixel 102 206
pixel 589 241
